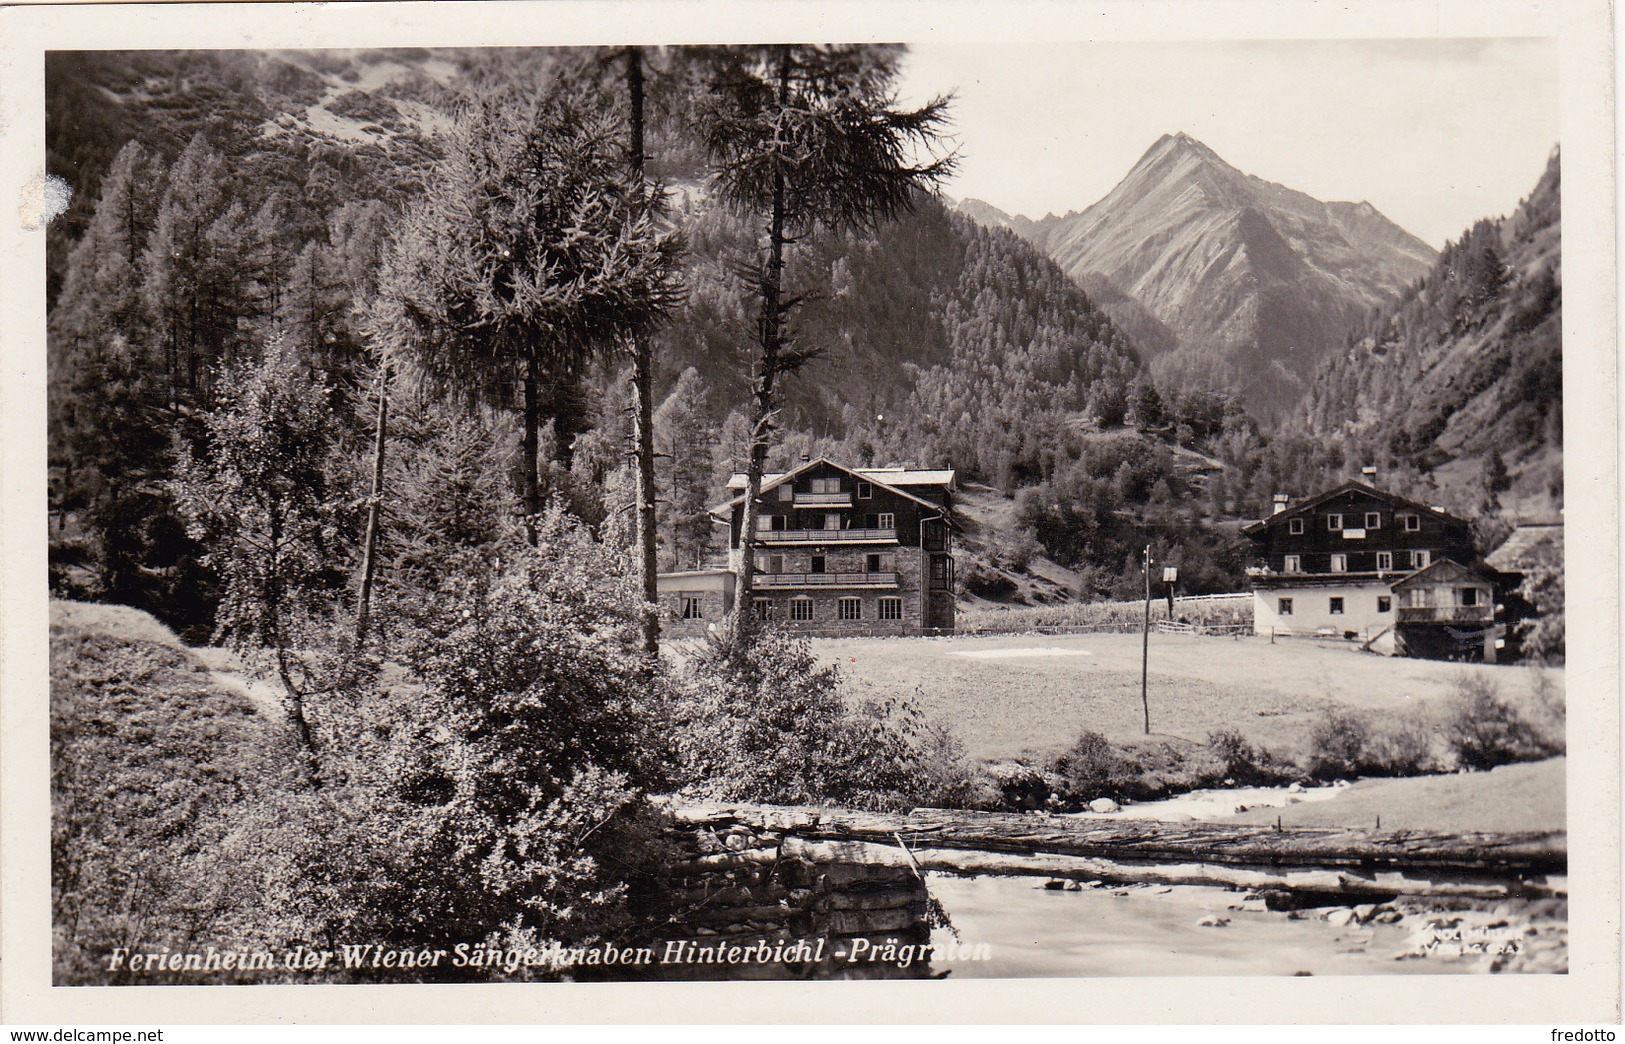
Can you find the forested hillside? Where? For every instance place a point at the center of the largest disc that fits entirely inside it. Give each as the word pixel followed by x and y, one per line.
pixel 225 201
pixel 1464 378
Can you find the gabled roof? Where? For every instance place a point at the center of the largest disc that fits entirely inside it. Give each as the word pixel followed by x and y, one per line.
pixel 885 478
pixel 1348 487
pixel 1444 569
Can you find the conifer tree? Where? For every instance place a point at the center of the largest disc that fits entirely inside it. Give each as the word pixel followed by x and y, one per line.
pixel 802 137
pixel 529 251
pixel 101 379
pixel 684 436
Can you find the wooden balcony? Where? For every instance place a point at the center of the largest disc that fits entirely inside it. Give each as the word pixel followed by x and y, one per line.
pixel 823 500
pixel 1458 615
pixel 783 581
pixel 826 536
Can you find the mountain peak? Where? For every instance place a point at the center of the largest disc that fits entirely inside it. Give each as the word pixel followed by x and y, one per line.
pixel 1255 280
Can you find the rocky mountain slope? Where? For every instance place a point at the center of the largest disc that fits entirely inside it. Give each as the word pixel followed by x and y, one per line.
pixel 1255 281
pixel 1463 379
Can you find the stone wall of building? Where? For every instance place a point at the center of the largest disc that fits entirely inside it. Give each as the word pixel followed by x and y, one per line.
pixel 713 610
pixel 909 563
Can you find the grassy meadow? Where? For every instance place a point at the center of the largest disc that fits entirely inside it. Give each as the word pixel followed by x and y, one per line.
pixel 1015 696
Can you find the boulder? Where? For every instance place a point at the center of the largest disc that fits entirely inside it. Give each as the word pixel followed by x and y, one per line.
pixel 1104 805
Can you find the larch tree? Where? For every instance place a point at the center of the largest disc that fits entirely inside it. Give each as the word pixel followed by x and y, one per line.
pixel 530 251
pixel 685 436
pixel 106 375
pixel 802 137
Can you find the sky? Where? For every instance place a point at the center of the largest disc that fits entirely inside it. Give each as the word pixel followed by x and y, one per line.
pixel 1434 133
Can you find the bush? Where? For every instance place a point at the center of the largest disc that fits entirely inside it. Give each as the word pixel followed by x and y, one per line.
pixel 504 802
pixel 1401 749
pixel 1486 730
pixel 769 724
pixel 1242 763
pixel 1338 745
pixel 1092 768
pixel 1147 770
pixel 1344 744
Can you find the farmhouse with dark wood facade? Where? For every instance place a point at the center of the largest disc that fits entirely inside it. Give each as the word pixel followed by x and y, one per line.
pixel 1358 563
pixel 838 550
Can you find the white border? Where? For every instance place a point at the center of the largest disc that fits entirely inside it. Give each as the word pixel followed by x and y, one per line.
pixel 1589 993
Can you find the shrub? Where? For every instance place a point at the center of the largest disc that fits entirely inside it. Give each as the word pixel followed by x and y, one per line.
pixel 1486 730
pixel 769 724
pixel 1240 762
pixel 1338 744
pixel 505 801
pixel 1344 744
pixel 1092 767
pixel 1402 748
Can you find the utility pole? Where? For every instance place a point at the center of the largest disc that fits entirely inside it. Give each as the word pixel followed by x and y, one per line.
pixel 1145 644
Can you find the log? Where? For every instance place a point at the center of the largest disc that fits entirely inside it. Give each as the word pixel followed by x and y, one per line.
pixel 1333 882
pixel 1521 854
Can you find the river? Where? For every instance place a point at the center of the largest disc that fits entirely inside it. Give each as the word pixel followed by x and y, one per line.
pixel 1153 931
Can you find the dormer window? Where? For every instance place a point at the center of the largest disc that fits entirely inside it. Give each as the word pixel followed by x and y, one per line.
pixel 1294 526
pixel 1334 522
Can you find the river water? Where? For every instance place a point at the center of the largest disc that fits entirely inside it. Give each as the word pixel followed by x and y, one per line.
pixel 1137 931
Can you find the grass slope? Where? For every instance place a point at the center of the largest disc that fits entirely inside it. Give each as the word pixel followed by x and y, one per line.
pixel 156 773
pixel 1529 796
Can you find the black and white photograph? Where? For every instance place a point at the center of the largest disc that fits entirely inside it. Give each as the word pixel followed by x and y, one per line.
pixel 740 507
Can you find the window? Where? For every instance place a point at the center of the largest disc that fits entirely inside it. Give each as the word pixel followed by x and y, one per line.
pixel 1419 597
pixel 1385 561
pixel 1334 521
pixel 1283 606
pixel 884 562
pixel 1340 563
pixel 885 520
pixel 832 520
pixel 764 608
pixel 891 608
pixel 1385 604
pixel 1373 520
pixel 865 490
pixel 1337 605
pixel 769 523
pixel 1293 564
pixel 1410 523
pixel 818 562
pixel 1294 526
pixel 825 485
pixel 770 563
pixel 851 608
pixel 1420 559
pixel 787 491
pixel 1469 596
pixel 801 608
pixel 940 567
pixel 691 607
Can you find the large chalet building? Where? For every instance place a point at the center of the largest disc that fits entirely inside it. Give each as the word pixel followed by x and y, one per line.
pixel 839 550
pixel 1358 563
